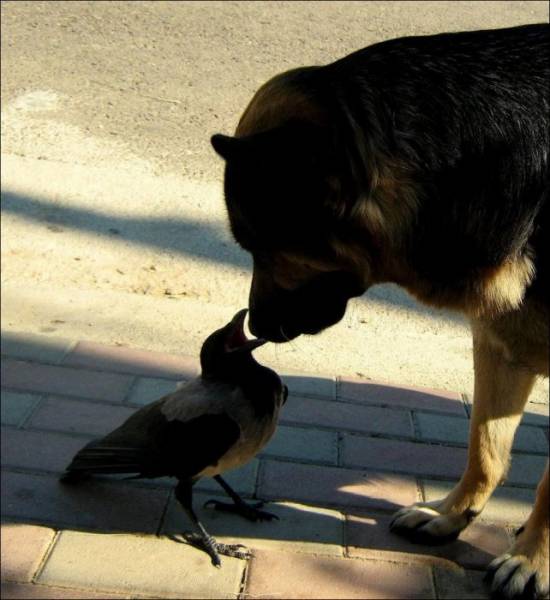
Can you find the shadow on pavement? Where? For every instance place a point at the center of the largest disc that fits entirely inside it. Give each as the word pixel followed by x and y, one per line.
pixel 202 240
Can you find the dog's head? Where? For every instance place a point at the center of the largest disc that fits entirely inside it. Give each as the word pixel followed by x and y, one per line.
pixel 284 196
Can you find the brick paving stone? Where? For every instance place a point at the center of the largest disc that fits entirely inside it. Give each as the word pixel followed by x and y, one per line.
pixel 536 414
pixel 288 575
pixel 340 415
pixel 23 548
pixel 368 536
pixel 408 457
pixel 301 384
pixel 242 480
pixel 66 381
pixel 92 505
pixel 33 347
pixel 131 360
pixel 304 444
pixel 28 591
pixel 506 505
pixel 371 392
pixel 38 450
pixel 17 406
pixel 146 565
pixel 78 416
pixel 149 389
pixel 526 469
pixel 299 528
pixel 450 429
pixel 332 486
pixel 458 583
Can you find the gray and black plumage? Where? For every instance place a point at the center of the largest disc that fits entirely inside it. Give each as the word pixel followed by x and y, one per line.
pixel 216 422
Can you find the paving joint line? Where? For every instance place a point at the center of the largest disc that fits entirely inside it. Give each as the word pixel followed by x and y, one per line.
pixel 244 580
pixel 421 489
pixel 433 582
pixel 131 388
pixel 163 514
pixel 287 423
pixel 27 418
pixel 397 407
pixel 257 480
pixel 48 395
pixel 46 556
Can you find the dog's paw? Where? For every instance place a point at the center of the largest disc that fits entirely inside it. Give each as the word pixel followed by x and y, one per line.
pixel 522 572
pixel 423 523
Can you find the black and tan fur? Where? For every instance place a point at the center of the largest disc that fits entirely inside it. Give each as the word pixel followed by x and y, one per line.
pixel 421 161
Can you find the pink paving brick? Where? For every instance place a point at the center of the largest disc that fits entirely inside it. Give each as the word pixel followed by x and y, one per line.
pixel 340 415
pixel 39 450
pixel 78 416
pixel 403 457
pixel 23 548
pixel 66 381
pixel 369 536
pixel 28 591
pixel 386 394
pixel 131 360
pixel 334 486
pixel 94 505
pixel 287 575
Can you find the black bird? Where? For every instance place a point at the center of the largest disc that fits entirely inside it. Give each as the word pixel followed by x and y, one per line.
pixel 218 421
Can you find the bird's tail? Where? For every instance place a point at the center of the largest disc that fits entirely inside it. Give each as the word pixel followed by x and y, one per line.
pixel 98 458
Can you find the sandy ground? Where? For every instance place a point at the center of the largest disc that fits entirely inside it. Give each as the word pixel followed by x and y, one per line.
pixel 113 225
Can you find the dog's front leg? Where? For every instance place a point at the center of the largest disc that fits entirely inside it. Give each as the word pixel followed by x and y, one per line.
pixel 500 393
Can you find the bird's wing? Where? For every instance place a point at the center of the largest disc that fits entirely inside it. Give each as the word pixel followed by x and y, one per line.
pixel 150 445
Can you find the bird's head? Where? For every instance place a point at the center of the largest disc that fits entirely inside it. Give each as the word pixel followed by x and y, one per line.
pixel 227 352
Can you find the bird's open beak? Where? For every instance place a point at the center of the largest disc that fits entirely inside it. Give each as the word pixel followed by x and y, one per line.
pixel 236 340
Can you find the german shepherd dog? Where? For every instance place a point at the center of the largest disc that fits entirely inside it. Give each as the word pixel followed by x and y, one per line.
pixel 421 161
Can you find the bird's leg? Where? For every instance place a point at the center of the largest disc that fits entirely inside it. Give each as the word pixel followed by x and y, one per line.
pixel 251 512
pixel 203 540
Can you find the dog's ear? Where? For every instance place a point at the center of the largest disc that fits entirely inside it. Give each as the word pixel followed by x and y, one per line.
pixel 285 142
pixel 228 147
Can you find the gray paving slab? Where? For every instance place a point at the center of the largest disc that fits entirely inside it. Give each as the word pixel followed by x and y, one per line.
pixel 50 379
pixel 304 384
pixel 149 389
pixel 35 347
pixel 347 417
pixel 308 445
pixel 17 406
pixel 78 416
pixel 39 450
pixel 441 428
pixel 95 505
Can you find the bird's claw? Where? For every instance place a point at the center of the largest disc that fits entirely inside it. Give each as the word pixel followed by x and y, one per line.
pixel 214 548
